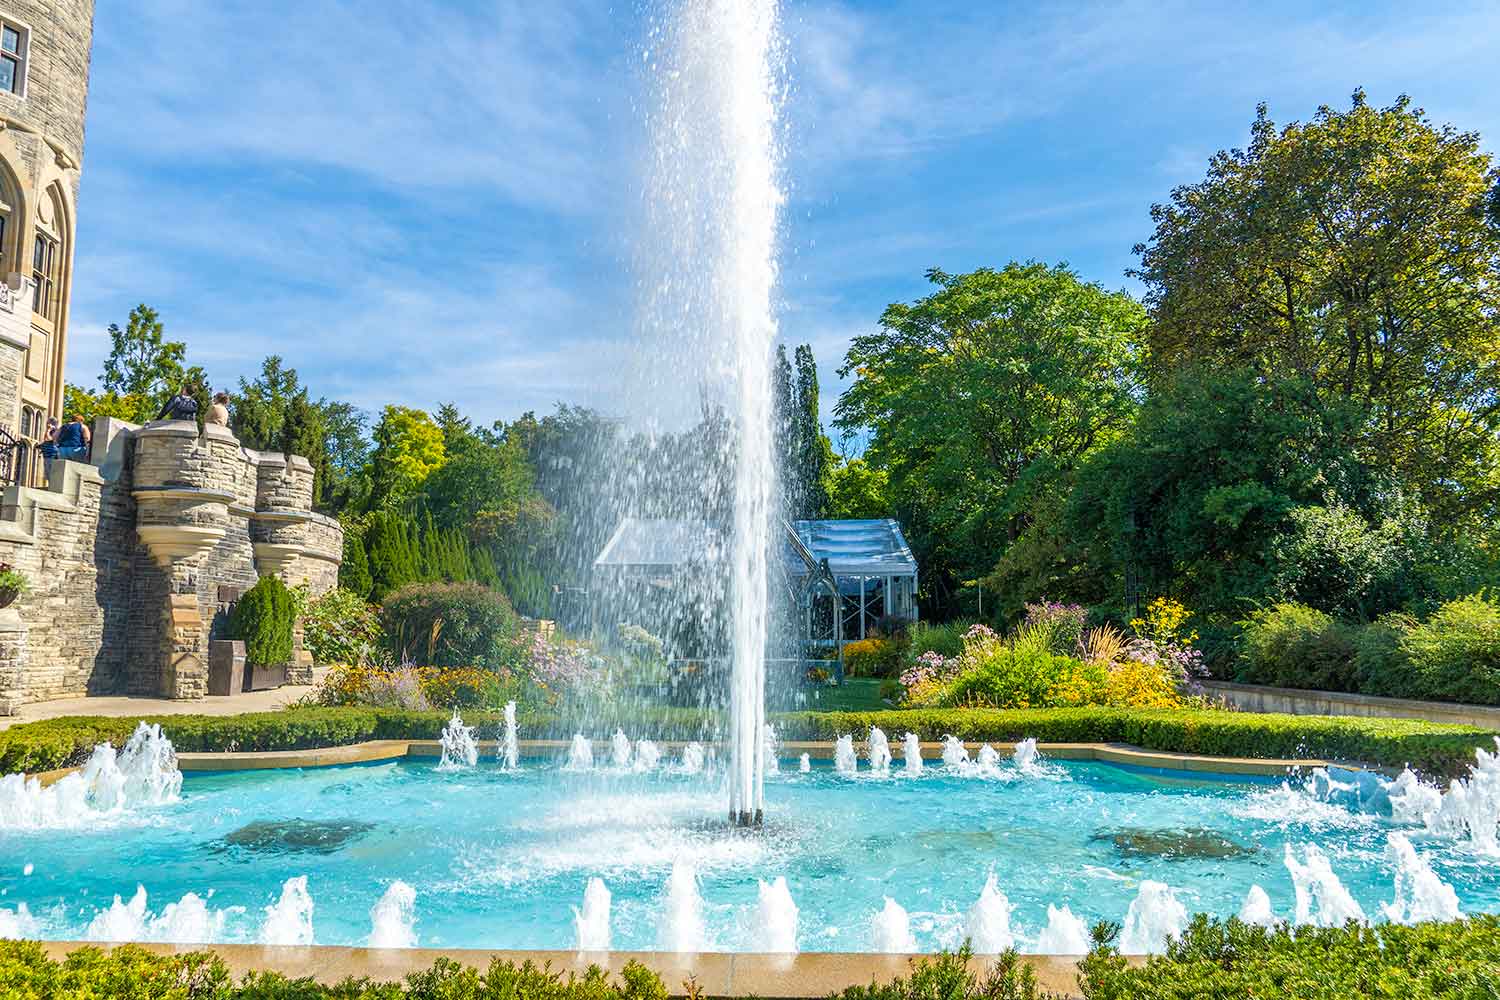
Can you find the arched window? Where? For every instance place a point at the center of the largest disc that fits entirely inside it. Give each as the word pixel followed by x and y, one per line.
pixel 48 257
pixel 10 216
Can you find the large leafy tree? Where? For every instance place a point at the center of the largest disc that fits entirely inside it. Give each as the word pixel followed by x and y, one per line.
pixel 1350 253
pixel 857 490
pixel 984 394
pixel 143 369
pixel 408 448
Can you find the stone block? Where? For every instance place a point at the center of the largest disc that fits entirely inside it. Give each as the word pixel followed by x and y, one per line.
pixel 226 666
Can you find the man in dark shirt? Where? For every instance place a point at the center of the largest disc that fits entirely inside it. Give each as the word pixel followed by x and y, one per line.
pixel 180 407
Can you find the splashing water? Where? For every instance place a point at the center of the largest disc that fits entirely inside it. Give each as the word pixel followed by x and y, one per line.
pixel 1025 755
pixel 1155 917
pixel 1256 909
pixel 681 927
pixel 591 924
pixel 1321 897
pixel 580 754
pixel 393 917
pixel 290 920
pixel 647 756
pixel 460 749
pixel 187 921
pixel 619 749
pixel 1065 934
pixel 890 930
pixel 509 749
pixel 775 929
pixel 955 754
pixel 988 921
pixel 692 759
pixel 844 761
pixel 804 764
pixel 18 924
pixel 1420 893
pixel 880 751
pixel 144 774
pixel 911 753
pixel 771 749
pixel 989 760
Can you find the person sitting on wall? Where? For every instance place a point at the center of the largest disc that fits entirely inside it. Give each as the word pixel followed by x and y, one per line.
pixel 72 441
pixel 218 411
pixel 181 406
pixel 48 445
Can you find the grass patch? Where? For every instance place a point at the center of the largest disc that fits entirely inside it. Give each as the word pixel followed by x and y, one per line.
pixel 856 694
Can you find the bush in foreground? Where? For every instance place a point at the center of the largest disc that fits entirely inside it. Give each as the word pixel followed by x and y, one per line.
pixel 452 625
pixel 1430 747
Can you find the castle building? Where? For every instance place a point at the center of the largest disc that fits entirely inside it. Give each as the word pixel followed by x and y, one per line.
pixel 44 77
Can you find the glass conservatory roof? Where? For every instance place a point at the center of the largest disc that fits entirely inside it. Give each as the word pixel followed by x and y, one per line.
pixel 852 548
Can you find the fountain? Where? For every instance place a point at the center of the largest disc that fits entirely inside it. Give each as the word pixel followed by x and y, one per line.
pixel 890 930
pixel 460 749
pixel 775 927
pixel 1065 934
pixel 911 752
pixel 289 920
pixel 988 921
pixel 619 749
pixel 508 751
pixel 580 754
pixel 681 927
pixel 591 924
pixel 1155 917
pixel 844 761
pixel 144 774
pixel 393 916
pixel 879 751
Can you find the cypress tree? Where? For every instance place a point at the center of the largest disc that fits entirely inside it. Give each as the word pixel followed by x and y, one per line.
pixel 354 572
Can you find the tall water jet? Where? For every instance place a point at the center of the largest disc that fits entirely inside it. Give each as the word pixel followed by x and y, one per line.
pixel 393 916
pixel 715 202
pixel 682 928
pixel 911 752
pixel 880 751
pixel 775 918
pixel 988 922
pixel 591 924
pixel 290 919
pixel 509 749
pixel 890 930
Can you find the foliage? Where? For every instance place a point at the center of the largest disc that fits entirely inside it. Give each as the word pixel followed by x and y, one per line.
pixel 982 396
pixel 451 625
pixel 1331 556
pixel 1349 252
pixel 144 369
pixel 13 579
pixel 1292 645
pixel 354 571
pixel 92 405
pixel 408 448
pixel 874 657
pixel 264 618
pixel 1062 623
pixel 341 627
pixel 417 689
pixel 1455 654
pixel 946 639
pixel 947 976
pixel 858 491
pixel 402 550
pixel 130 972
pixel 1216 958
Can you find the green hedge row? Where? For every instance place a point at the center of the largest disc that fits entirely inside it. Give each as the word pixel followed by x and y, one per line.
pixel 132 973
pixel 1458 960
pixel 1426 746
pixel 1431 747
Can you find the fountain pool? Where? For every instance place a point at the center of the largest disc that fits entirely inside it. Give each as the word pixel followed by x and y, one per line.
pixel 486 856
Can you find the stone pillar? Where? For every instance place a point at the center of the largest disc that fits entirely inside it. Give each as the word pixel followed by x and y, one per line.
pixel 13 660
pixel 186 655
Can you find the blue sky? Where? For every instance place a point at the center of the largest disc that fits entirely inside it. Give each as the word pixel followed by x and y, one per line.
pixel 426 202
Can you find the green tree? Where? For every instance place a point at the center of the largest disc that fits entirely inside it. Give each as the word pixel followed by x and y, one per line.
pixel 985 394
pixel 354 571
pixel 260 404
pixel 144 368
pixel 857 490
pixel 408 448
pixel 812 451
pixel 1350 253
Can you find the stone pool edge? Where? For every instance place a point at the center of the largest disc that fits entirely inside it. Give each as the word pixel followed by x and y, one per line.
pixel 381 750
pixel 716 974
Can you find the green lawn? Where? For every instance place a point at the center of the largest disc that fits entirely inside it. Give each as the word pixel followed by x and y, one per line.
pixel 856 694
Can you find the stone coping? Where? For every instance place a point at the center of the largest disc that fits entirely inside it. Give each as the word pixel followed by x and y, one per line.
pixel 716 974
pixel 1309 701
pixel 382 750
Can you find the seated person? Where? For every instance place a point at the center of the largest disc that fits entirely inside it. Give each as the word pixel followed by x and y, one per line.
pixel 73 440
pixel 218 410
pixel 181 406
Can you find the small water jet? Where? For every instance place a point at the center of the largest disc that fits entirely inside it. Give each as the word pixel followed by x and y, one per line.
pixel 1024 756
pixel 681 927
pixel 393 917
pixel 460 749
pixel 18 924
pixel 911 753
pixel 187 921
pixel 989 760
pixel 771 749
pixel 619 749
pixel 1321 897
pixel 1256 909
pixel 692 759
pixel 890 930
pixel 775 928
pixel 647 756
pixel 1420 894
pixel 144 774
pixel 290 920
pixel 804 764
pixel 1155 917
pixel 580 754
pixel 987 923
pixel 508 751
pixel 879 751
pixel 591 924
pixel 1065 934
pixel 844 761
pixel 955 754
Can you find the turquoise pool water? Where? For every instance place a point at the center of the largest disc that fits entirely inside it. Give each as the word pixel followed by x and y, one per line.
pixel 500 860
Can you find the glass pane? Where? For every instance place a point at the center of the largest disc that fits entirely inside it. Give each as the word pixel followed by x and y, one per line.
pixel 7 73
pixel 38 252
pixel 10 40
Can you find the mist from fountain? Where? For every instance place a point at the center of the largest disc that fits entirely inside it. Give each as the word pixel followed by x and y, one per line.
pixel 393 918
pixel 591 923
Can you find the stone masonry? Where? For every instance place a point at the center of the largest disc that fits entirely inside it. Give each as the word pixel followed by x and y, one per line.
pixel 136 560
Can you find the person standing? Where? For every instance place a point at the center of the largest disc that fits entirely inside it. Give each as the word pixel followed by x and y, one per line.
pixel 181 406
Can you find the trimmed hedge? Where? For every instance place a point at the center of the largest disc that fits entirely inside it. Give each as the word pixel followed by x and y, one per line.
pixel 265 618
pixel 1429 747
pixel 133 973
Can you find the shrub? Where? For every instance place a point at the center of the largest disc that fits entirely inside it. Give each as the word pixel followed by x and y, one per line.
pixel 1063 624
pixel 872 658
pixel 947 976
pixel 452 625
pixel 354 571
pixel 1455 654
pixel 341 627
pixel 264 618
pixel 1292 645
pixel 946 640
pixel 1381 666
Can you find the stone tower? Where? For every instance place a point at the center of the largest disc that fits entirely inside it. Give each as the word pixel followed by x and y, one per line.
pixel 44 79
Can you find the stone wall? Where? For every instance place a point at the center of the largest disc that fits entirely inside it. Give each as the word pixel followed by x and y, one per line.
pixel 136 561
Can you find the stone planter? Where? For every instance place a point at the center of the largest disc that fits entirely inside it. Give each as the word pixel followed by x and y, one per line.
pixel 226 667
pixel 8 596
pixel 259 678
